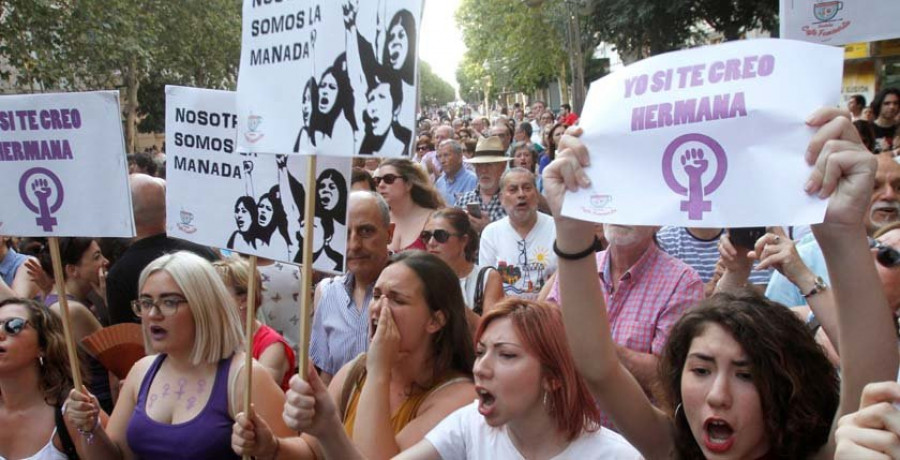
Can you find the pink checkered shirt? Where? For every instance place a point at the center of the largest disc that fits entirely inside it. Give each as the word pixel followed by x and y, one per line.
pixel 650 297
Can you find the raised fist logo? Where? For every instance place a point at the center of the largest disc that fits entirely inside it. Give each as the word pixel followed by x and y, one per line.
pixel 696 152
pixel 37 187
pixel 693 162
pixel 41 189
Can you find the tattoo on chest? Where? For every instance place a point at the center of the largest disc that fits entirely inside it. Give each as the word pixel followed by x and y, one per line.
pixel 201 385
pixel 153 399
pixel 165 390
pixel 181 383
pixel 191 402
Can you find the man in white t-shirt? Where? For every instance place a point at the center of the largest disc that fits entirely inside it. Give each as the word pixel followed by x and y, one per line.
pixel 520 244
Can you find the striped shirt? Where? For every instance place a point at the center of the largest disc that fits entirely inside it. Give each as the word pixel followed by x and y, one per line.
pixel 701 255
pixel 340 329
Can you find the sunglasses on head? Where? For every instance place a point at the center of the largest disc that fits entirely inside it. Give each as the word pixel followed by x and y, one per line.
pixel 14 326
pixel 887 256
pixel 387 178
pixel 441 236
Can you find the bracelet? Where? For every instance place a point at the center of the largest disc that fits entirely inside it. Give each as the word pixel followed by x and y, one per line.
pixel 578 255
pixel 89 435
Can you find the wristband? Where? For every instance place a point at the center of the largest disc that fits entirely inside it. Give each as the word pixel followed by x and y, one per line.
pixel 578 255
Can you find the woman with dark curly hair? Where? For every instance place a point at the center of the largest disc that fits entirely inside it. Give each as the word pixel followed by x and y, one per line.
pixel 742 376
pixel 246 215
pixel 35 378
pixel 412 198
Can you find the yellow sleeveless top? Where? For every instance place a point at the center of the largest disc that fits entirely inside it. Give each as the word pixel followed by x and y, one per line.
pixel 405 413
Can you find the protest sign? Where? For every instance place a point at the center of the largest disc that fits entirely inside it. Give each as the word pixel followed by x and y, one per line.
pixel 251 203
pixel 709 137
pixel 837 22
pixel 331 77
pixel 63 161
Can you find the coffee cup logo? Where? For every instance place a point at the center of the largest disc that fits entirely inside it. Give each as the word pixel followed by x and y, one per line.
pixel 826 11
pixel 186 218
pixel 253 135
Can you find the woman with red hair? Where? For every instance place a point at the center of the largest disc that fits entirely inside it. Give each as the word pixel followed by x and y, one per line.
pixel 532 402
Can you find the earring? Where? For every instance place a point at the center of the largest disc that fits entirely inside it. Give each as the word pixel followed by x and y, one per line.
pixel 677 409
pixel 41 360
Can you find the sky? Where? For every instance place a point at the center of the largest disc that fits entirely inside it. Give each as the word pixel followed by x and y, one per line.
pixel 441 43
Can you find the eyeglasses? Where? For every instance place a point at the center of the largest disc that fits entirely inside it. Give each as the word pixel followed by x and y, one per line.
pixel 14 326
pixel 422 148
pixel 441 236
pixel 887 256
pixel 387 178
pixel 167 306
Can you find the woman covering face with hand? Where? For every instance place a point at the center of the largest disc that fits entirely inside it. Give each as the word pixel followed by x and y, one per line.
pixel 731 390
pixel 416 372
pixel 180 401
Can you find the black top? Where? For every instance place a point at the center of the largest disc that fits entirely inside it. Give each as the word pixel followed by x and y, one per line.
pixel 122 280
pixel 884 137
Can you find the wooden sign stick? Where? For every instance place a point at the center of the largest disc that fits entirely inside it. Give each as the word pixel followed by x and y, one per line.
pixel 248 338
pixel 306 285
pixel 59 279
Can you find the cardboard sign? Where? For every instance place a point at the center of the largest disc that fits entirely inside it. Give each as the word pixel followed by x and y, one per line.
pixel 709 137
pixel 331 77
pixel 249 203
pixel 838 22
pixel 62 158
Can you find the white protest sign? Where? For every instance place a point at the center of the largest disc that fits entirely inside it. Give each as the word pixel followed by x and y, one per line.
pixel 249 203
pixel 334 77
pixel 837 22
pixel 62 159
pixel 709 137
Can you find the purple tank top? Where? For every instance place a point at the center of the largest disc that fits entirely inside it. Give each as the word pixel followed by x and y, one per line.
pixel 208 435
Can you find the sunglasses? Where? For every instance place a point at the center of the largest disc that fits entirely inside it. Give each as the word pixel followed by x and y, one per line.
pixel 387 178
pixel 441 236
pixel 13 326
pixel 887 256
pixel 422 148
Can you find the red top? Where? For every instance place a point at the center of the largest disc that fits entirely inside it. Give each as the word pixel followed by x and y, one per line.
pixel 266 336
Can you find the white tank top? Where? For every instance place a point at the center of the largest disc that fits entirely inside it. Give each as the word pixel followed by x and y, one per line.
pixel 48 452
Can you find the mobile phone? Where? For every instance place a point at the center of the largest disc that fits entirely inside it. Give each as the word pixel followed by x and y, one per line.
pixel 746 237
pixel 474 210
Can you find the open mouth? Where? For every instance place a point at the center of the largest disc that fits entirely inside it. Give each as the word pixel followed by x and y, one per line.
pixel 886 212
pixel 373 325
pixel 718 435
pixel 157 332
pixel 395 55
pixel 486 401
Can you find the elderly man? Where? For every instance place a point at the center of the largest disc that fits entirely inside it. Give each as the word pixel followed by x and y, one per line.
pixel 478 125
pixel 340 329
pixel 519 245
pixel 502 130
pixel 490 161
pixel 456 180
pixel 884 208
pixel 646 291
pixel 148 202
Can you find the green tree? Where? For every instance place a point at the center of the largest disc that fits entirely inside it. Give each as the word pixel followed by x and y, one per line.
pixel 74 45
pixel 433 90
pixel 519 48
pixel 733 18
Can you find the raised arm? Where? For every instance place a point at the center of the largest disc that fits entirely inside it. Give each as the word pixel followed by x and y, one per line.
pixel 845 171
pixel 584 314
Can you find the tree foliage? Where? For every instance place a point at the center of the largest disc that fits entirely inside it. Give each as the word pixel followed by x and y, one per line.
pixel 517 47
pixel 433 90
pixel 73 45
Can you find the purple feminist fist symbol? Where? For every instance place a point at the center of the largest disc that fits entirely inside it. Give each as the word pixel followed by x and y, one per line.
pixel 695 162
pixel 41 183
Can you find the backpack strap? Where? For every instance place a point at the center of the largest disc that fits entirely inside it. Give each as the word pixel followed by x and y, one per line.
pixel 357 371
pixel 63 432
pixel 478 308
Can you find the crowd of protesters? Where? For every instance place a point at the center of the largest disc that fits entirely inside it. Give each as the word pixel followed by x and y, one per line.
pixel 475 321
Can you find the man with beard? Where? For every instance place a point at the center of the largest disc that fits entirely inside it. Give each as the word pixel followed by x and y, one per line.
pixel 884 208
pixel 340 329
pixel 646 291
pixel 519 244
pixel 885 107
pixel 490 161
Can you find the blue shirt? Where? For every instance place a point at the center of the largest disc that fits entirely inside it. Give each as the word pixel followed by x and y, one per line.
pixel 783 291
pixel 340 329
pixel 453 187
pixel 10 265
